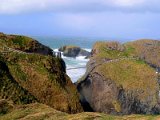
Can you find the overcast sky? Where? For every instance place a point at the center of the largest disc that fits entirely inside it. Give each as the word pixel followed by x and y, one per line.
pixel 131 19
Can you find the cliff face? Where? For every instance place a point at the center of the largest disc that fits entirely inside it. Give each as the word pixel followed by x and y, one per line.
pixel 119 81
pixel 30 77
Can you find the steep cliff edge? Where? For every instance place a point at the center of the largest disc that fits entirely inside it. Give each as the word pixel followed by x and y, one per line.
pixel 28 77
pixel 119 81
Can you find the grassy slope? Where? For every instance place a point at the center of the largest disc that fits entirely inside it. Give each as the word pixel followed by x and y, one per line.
pixel 133 75
pixel 42 76
pixel 139 48
pixel 146 49
pixel 10 89
pixel 43 112
pixel 24 43
pixel 110 50
pixel 15 41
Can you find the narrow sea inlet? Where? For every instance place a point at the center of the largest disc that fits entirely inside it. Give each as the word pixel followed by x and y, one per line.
pixel 79 63
pixel 85 43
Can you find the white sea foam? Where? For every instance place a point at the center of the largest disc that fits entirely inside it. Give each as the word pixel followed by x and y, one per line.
pixel 79 61
pixel 55 50
pixel 81 58
pixel 76 74
pixel 89 50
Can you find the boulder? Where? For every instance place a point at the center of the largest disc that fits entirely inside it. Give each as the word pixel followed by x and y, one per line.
pixel 73 51
pixel 118 81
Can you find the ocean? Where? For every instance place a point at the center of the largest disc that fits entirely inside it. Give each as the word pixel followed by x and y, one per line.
pixel 80 61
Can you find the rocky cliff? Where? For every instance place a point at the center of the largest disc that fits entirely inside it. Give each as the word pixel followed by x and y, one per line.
pixel 28 77
pixel 120 78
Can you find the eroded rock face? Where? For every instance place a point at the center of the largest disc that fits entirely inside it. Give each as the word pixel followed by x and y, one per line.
pixel 98 93
pixel 74 51
pixel 118 82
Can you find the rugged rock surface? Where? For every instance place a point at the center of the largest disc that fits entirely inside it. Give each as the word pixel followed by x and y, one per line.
pixel 119 81
pixel 30 77
pixel 74 51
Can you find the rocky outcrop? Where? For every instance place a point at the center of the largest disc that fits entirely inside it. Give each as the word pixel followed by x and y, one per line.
pixel 30 77
pixel 73 51
pixel 118 81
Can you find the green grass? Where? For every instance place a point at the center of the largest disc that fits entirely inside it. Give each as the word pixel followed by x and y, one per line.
pixel 10 89
pixel 132 75
pixel 15 41
pixel 42 112
pixel 16 69
pixel 105 52
pixel 35 75
pixel 44 78
pixel 145 49
pixel 128 70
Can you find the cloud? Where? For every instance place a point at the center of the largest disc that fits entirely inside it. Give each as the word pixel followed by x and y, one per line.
pixel 126 3
pixel 21 6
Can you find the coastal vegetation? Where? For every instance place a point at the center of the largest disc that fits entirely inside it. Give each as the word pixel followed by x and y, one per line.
pixel 122 78
pixel 35 75
pixel 121 81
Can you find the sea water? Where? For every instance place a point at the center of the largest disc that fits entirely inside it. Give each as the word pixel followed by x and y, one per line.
pixel 80 61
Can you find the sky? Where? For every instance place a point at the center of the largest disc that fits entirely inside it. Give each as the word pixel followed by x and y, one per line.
pixel 124 19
